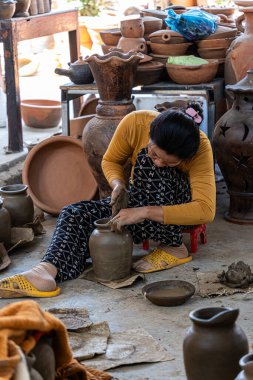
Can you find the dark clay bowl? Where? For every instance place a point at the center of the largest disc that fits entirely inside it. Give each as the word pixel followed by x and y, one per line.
pixel 168 293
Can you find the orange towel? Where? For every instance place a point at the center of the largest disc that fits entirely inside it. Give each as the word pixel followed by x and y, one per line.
pixel 18 322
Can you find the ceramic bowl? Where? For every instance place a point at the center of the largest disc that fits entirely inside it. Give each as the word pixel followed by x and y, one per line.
pixel 215 43
pixel 7 9
pixel 168 293
pixel 159 58
pixel 193 74
pixel 110 36
pixel 41 113
pixel 223 32
pixel 148 73
pixel 169 49
pixel 212 53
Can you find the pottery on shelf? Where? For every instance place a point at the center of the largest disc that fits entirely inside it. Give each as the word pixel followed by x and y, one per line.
pixel 212 53
pixel 215 43
pixel 223 32
pixel 159 58
pixel 233 147
pixel 41 113
pixel 246 363
pixel 18 203
pixel 114 75
pixel 111 252
pixel 22 7
pixel 214 344
pixel 79 72
pixel 169 49
pixel 5 225
pixel 132 28
pixel 151 24
pixel 7 9
pixel 148 73
pixel 238 59
pixel 127 44
pixel 110 36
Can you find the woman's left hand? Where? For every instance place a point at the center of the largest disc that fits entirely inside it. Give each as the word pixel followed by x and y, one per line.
pixel 128 216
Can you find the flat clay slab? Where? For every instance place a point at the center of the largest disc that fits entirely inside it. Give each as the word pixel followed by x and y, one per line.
pixel 73 319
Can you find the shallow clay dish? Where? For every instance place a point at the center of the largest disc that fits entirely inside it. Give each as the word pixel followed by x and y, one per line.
pixel 151 24
pixel 212 53
pixel 57 174
pixel 168 293
pixel 193 74
pixel 215 43
pixel 41 113
pixel 169 49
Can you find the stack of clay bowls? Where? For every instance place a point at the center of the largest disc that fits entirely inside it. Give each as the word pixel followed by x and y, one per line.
pixel 215 48
pixel 132 31
pixel 110 38
pixel 151 24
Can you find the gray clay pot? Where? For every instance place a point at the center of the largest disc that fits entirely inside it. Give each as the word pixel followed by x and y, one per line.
pixel 79 72
pixel 5 225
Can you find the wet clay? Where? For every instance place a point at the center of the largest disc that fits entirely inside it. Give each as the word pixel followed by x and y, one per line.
pixel 238 275
pixel 169 292
pixel 121 202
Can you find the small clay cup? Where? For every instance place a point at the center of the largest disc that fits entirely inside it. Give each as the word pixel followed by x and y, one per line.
pixel 132 28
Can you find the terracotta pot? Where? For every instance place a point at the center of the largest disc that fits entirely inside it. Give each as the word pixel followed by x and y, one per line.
pixel 233 149
pixel 193 74
pixel 160 58
pixel 164 36
pixel 246 364
pixel 7 9
pixel 238 59
pixel 114 75
pixel 154 13
pixel 111 252
pixel 214 344
pixel 22 7
pixel 110 36
pixel 5 225
pixel 215 43
pixel 79 72
pixel 223 32
pixel 151 24
pixel 170 40
pixel 18 203
pixel 212 53
pixel 107 48
pixel 127 44
pixel 41 113
pixel 148 73
pixel 169 49
pixel 132 28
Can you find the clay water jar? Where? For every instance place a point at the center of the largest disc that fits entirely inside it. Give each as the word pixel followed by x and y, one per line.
pixel 137 44
pixel 5 225
pixel 18 203
pixel 246 364
pixel 79 72
pixel 133 28
pixel 111 252
pixel 214 344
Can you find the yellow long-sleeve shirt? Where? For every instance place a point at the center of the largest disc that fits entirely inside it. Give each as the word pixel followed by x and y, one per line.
pixel 132 135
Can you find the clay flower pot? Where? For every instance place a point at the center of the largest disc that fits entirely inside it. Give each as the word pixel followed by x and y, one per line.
pixel 133 28
pixel 169 49
pixel 41 113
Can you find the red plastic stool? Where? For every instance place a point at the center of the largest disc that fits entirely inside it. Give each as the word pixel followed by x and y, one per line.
pixel 194 232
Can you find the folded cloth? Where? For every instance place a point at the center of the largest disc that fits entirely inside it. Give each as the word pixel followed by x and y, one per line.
pixel 18 322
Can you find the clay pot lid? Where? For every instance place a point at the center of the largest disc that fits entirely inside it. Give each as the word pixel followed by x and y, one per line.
pixel 244 85
pixel 57 174
pixel 168 293
pixel 150 66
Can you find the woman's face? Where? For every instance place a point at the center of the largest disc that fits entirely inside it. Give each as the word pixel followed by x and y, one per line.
pixel 160 158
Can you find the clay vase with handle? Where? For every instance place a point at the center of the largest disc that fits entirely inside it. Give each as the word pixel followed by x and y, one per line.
pixel 246 364
pixel 114 75
pixel 214 344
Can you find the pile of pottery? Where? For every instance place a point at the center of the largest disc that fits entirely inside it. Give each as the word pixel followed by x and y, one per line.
pixel 23 8
pixel 164 43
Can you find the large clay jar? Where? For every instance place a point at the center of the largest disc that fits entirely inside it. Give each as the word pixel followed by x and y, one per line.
pixel 133 28
pixel 214 344
pixel 114 75
pixel 5 225
pixel 233 148
pixel 238 58
pixel 111 252
pixel 246 364
pixel 18 203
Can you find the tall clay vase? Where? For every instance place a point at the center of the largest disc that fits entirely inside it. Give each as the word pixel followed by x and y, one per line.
pixel 233 149
pixel 238 58
pixel 214 344
pixel 246 364
pixel 114 75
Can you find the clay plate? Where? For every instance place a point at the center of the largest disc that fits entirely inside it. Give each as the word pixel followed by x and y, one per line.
pixel 57 174
pixel 168 293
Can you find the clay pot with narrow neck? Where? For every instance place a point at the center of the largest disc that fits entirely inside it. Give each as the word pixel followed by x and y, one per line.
pixel 246 364
pixel 5 225
pixel 79 72
pixel 238 58
pixel 233 148
pixel 18 203
pixel 111 252
pixel 114 75
pixel 214 344
pixel 133 28
pixel 22 7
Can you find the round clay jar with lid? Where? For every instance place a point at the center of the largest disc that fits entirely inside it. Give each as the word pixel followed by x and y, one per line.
pixel 111 252
pixel 18 203
pixel 5 225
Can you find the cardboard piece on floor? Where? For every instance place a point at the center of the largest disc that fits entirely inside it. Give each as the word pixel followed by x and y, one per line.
pixel 131 347
pixel 73 319
pixel 4 257
pixel 210 286
pixel 90 276
pixel 90 341
pixel 20 236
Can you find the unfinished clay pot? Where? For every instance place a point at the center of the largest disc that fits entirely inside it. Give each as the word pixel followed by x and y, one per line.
pixel 79 72
pixel 110 36
pixel 5 226
pixel 246 364
pixel 233 147
pixel 22 7
pixel 238 59
pixel 214 344
pixel 18 203
pixel 127 44
pixel 133 28
pixel 111 252
pixel 212 53
pixel 151 24
pixel 7 9
pixel 169 49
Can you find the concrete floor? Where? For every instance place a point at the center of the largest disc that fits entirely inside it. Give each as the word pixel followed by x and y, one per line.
pixel 126 308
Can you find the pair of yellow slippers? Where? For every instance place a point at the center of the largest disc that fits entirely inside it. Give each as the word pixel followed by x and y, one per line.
pixel 18 287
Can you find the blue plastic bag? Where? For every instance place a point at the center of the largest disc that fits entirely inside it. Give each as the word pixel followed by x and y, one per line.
pixel 193 24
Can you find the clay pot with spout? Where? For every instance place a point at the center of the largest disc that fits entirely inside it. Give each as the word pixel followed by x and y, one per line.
pixel 5 225
pixel 238 58
pixel 214 344
pixel 233 148
pixel 246 364
pixel 111 252
pixel 22 7
pixel 114 75
pixel 79 72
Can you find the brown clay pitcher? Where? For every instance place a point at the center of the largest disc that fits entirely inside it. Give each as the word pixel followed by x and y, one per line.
pixel 246 364
pixel 5 225
pixel 18 203
pixel 214 344
pixel 111 252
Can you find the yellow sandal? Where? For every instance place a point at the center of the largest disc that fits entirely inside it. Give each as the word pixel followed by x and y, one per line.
pixel 161 260
pixel 17 287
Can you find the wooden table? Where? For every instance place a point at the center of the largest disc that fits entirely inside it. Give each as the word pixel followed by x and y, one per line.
pixel 19 29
